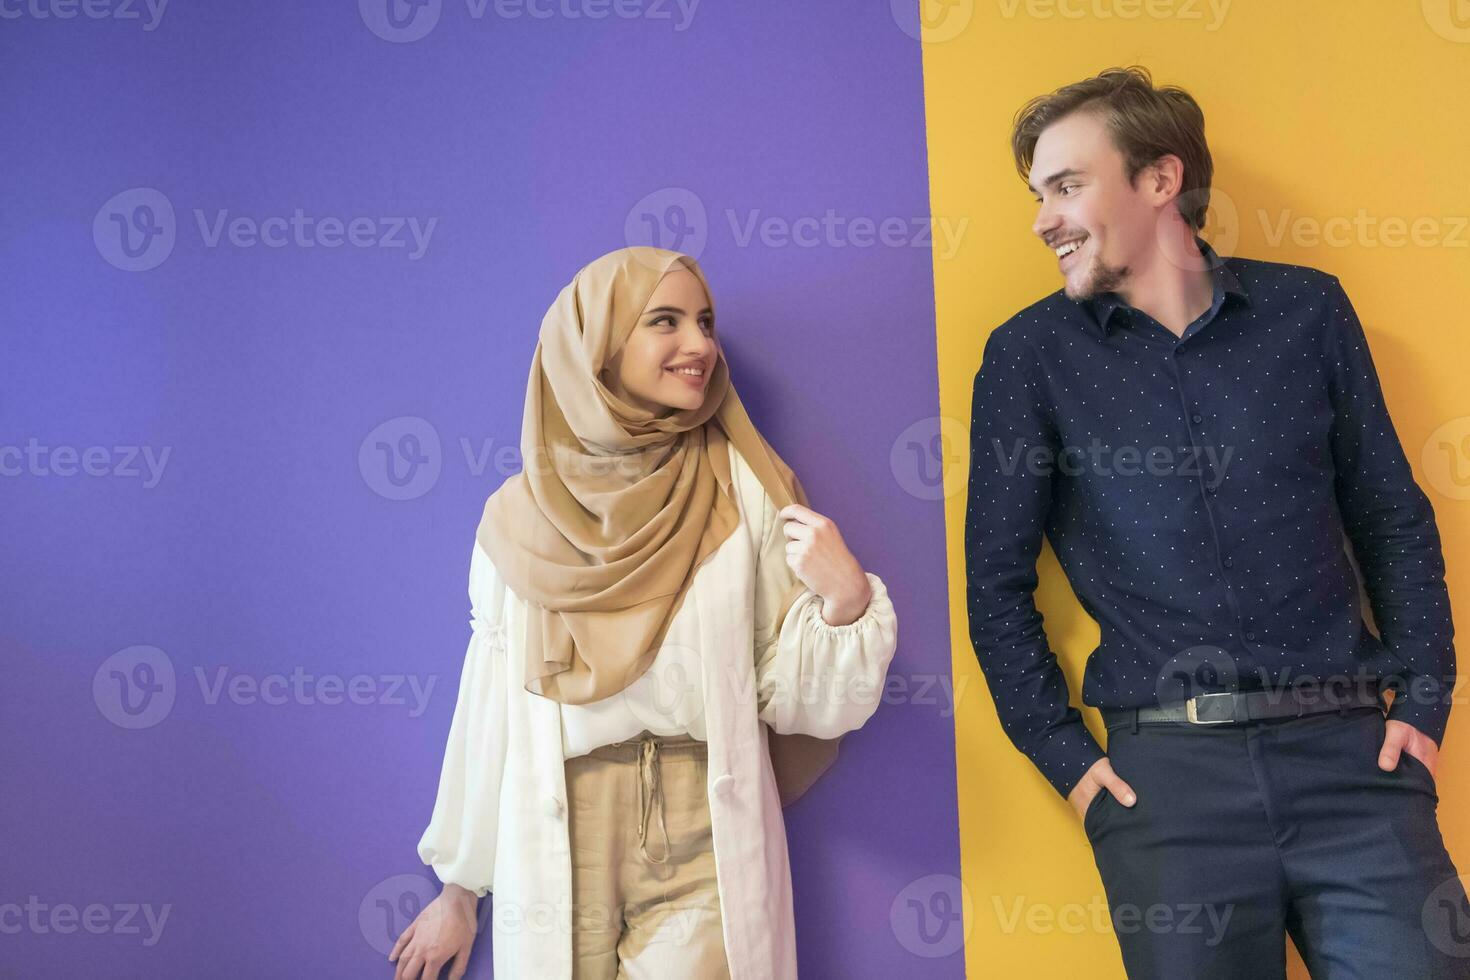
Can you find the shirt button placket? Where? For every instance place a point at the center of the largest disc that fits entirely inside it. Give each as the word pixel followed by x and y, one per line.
pixel 1195 438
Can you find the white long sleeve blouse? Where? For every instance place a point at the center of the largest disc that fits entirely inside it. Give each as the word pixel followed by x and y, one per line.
pixel 668 699
pixel 499 815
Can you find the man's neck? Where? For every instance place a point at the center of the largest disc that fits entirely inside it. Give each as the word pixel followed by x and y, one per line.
pixel 1174 292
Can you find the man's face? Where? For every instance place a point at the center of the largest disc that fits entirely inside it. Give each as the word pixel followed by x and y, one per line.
pixel 1078 176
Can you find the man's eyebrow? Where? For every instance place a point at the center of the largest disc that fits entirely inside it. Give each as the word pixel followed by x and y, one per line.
pixel 1058 177
pixel 674 309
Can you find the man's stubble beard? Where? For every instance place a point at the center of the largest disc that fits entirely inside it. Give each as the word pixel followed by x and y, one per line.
pixel 1101 279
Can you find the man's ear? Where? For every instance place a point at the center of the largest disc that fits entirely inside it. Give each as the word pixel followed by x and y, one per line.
pixel 1164 178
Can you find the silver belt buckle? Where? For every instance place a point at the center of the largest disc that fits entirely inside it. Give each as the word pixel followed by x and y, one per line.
pixel 1191 712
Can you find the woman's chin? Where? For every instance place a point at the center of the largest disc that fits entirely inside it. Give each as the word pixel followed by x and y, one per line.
pixel 684 401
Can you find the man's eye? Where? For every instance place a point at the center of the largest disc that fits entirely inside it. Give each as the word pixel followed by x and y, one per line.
pixel 1067 187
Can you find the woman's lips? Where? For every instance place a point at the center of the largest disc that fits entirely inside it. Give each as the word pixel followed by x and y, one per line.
pixel 692 380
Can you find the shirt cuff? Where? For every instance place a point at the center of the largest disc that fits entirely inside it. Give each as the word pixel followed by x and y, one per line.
pixel 879 608
pixel 1064 754
pixel 1422 701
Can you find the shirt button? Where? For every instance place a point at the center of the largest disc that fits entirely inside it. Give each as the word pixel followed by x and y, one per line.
pixel 1210 491
pixel 1228 563
pixel 1250 634
pixel 1197 418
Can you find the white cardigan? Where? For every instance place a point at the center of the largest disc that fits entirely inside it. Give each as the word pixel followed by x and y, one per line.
pixel 499 822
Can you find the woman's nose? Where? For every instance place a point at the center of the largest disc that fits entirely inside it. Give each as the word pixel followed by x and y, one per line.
pixel 695 342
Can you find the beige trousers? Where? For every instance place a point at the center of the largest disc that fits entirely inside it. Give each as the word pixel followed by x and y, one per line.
pixel 644 901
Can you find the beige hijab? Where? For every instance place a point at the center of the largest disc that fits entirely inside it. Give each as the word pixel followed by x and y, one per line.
pixel 616 507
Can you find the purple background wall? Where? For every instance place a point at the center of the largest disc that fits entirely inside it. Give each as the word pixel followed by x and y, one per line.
pixel 195 491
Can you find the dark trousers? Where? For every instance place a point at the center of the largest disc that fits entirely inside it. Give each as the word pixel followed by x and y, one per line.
pixel 1245 833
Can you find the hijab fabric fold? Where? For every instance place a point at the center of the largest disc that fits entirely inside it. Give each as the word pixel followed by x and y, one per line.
pixel 616 507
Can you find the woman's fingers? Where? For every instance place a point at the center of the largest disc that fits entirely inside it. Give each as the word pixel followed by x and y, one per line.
pixel 403 939
pixel 800 514
pixel 431 969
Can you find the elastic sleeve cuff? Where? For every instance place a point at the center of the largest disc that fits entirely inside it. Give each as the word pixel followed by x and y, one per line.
pixel 446 877
pixel 876 614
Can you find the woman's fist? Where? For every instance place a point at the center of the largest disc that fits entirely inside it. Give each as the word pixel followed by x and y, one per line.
pixel 819 557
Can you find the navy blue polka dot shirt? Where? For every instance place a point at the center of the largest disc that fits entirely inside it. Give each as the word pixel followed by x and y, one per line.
pixel 1199 493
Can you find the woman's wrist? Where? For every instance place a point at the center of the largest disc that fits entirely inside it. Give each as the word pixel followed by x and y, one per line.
pixel 848 607
pixel 458 892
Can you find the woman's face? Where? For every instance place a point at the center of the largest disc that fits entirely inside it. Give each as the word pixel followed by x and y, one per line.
pixel 668 358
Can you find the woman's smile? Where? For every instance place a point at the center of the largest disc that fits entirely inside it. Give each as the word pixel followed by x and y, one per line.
pixel 693 374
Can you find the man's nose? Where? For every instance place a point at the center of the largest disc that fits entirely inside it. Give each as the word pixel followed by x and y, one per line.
pixel 1046 221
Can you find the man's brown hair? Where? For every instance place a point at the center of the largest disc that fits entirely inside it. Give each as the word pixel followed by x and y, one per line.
pixel 1145 123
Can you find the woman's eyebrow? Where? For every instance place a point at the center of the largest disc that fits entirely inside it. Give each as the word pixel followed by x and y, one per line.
pixel 674 309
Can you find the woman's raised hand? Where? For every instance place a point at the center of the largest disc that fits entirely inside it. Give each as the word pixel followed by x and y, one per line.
pixel 820 558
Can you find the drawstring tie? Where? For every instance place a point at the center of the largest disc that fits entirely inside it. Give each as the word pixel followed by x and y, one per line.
pixel 649 792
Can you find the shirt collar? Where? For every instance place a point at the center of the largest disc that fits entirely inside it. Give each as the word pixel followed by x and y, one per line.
pixel 1226 282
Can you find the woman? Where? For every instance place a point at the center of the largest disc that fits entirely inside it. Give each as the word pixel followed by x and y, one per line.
pixel 627 730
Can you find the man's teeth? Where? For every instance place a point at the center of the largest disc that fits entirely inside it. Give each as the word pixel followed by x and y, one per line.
pixel 1064 250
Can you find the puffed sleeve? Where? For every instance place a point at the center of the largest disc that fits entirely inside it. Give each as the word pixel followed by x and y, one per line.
pixel 460 840
pixel 813 678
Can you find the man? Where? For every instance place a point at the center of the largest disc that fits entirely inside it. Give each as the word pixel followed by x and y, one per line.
pixel 1198 438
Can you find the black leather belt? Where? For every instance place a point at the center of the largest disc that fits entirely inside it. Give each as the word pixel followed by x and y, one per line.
pixel 1236 707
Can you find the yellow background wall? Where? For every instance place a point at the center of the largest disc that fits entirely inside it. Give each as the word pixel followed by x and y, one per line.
pixel 1340 141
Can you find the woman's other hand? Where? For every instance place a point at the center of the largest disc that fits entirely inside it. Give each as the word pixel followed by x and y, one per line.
pixel 442 933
